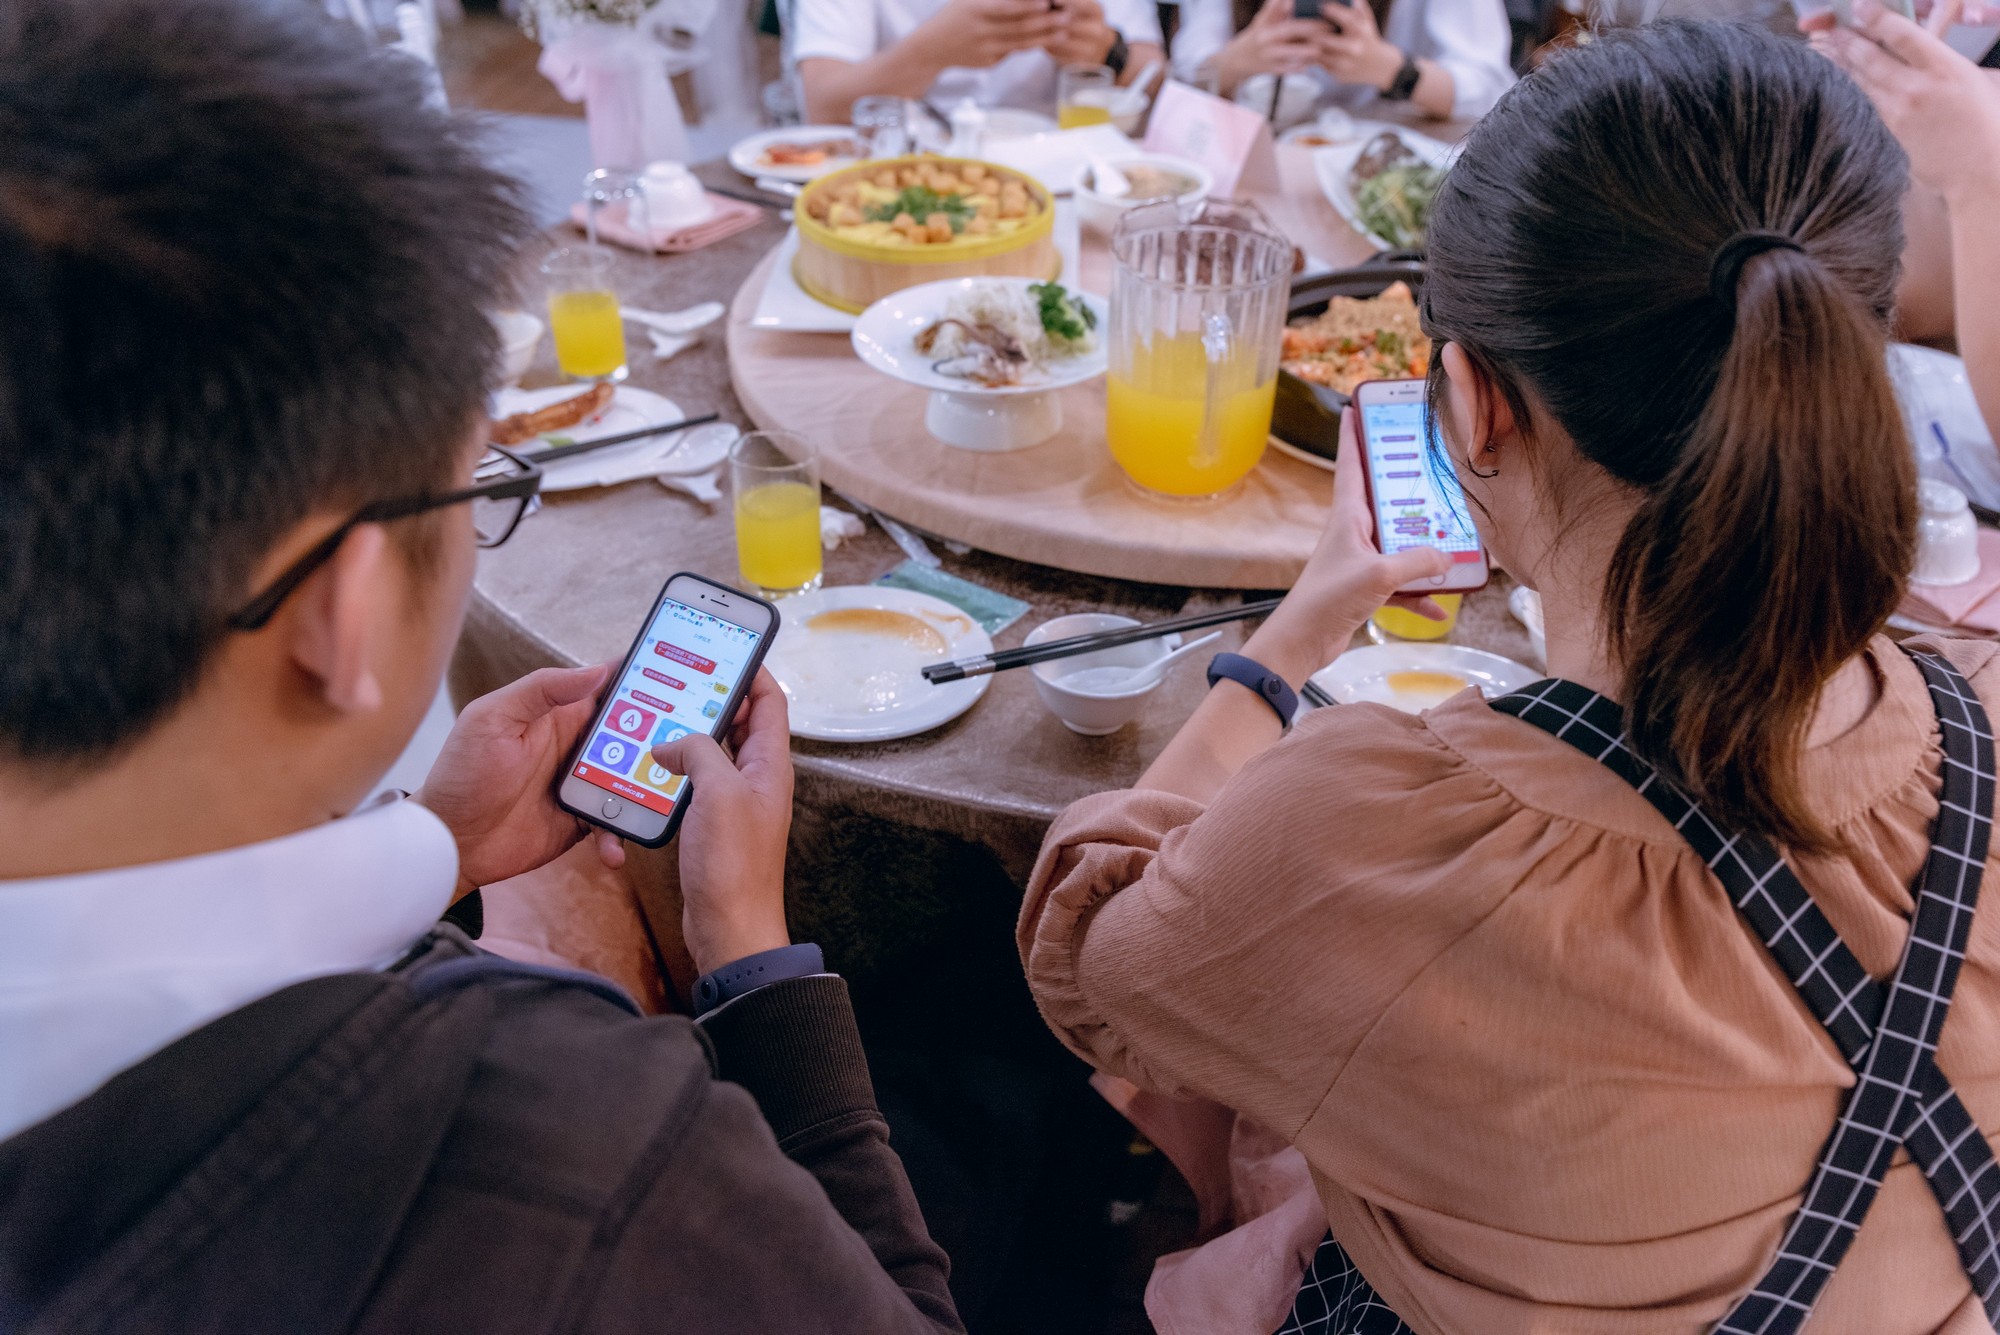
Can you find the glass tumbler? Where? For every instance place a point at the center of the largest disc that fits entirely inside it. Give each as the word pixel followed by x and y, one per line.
pixel 1400 623
pixel 583 313
pixel 774 476
pixel 879 123
pixel 1084 96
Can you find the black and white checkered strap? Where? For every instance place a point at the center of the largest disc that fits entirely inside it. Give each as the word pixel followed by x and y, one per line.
pixel 1889 1035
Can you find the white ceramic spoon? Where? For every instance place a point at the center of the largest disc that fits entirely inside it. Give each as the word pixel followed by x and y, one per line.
pixel 1153 671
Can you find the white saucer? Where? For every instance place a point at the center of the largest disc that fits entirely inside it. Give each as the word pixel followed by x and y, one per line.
pixel 847 686
pixel 961 413
pixel 1362 675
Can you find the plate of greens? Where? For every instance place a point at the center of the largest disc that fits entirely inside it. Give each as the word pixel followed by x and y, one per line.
pixel 1383 183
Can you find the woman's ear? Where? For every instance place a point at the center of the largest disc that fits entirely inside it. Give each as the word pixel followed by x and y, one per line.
pixel 1481 425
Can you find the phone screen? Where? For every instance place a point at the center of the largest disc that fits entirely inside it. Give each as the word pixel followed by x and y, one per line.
pixel 688 664
pixel 1417 503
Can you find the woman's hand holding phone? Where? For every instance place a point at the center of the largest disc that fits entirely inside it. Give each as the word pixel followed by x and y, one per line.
pixel 732 841
pixel 1346 579
pixel 491 784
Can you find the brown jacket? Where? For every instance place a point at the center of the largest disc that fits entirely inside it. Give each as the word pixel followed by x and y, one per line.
pixel 468 1144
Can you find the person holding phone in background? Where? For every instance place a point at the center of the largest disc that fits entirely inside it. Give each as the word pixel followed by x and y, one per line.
pixel 1446 58
pixel 1543 1072
pixel 1945 111
pixel 999 53
pixel 246 1081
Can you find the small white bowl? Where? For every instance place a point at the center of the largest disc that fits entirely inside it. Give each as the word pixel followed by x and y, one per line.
pixel 1092 713
pixel 520 334
pixel 1101 213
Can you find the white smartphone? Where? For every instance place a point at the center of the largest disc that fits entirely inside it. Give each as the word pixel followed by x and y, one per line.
pixel 687 672
pixel 1416 501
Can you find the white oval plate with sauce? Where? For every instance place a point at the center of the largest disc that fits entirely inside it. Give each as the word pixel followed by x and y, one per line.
pixel 1414 676
pixel 851 659
pixel 747 155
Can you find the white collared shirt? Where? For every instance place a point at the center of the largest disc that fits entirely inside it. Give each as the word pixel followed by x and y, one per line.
pixel 854 30
pixel 1470 38
pixel 100 970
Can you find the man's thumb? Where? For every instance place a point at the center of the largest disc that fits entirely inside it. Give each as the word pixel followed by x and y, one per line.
pixel 693 754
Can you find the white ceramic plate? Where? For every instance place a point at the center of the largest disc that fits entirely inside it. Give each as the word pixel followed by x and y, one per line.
pixel 1332 164
pixel 1373 673
pixel 885 334
pixel 630 409
pixel 784 305
pixel 747 154
pixel 856 685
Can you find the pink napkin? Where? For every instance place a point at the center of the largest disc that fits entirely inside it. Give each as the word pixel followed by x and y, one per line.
pixel 729 216
pixel 1971 604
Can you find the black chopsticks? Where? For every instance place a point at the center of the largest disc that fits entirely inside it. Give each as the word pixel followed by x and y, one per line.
pixel 937 674
pixel 558 452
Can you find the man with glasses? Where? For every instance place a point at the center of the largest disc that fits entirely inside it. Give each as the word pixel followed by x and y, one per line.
pixel 246 1081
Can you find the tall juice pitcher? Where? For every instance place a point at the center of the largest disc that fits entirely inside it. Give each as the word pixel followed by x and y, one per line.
pixel 1197 315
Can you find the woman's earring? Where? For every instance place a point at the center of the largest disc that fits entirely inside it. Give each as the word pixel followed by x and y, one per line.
pixel 1476 473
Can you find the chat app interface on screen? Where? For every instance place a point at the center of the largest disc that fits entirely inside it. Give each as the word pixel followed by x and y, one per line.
pixel 1409 510
pixel 678 683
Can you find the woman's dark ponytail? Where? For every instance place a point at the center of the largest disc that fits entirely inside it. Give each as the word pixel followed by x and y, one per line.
pixel 1682 242
pixel 1776 546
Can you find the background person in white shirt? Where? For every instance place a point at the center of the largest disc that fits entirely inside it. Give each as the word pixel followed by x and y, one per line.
pixel 999 53
pixel 1446 58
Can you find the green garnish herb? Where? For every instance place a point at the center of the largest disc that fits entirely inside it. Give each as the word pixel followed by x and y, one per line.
pixel 1064 317
pixel 920 202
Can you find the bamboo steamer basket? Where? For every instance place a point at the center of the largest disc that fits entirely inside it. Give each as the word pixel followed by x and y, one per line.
pixel 851 275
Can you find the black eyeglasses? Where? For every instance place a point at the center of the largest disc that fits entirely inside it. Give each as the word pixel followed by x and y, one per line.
pixel 504 489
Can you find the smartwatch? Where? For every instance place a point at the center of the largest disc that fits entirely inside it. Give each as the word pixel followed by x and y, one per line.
pixel 1119 55
pixel 1405 82
pixel 742 977
pixel 1268 685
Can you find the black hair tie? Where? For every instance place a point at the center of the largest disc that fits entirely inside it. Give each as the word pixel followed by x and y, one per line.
pixel 1727 267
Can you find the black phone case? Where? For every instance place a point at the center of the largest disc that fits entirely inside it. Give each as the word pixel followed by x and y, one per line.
pixel 722 721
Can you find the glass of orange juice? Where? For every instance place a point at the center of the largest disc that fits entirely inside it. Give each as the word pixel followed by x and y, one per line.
pixel 1084 95
pixel 1400 623
pixel 583 313
pixel 775 478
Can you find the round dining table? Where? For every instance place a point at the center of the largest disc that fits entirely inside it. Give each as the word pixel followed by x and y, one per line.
pixel 889 835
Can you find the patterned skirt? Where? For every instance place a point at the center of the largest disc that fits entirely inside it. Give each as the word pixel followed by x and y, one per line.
pixel 1335 1300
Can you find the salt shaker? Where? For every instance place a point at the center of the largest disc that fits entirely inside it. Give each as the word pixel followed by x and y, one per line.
pixel 968 130
pixel 1947 535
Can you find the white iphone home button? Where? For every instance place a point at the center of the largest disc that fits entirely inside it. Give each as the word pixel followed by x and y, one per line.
pixel 1439 580
pixel 612 808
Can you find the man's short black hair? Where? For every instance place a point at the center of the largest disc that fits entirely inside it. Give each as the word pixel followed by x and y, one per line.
pixel 243 274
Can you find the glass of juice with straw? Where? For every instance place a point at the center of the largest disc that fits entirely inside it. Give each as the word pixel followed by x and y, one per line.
pixel 1084 96
pixel 583 313
pixel 775 478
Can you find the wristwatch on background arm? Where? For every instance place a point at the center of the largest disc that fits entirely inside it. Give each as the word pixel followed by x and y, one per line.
pixel 1405 83
pixel 1118 56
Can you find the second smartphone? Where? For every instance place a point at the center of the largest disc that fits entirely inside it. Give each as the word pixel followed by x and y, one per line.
pixel 1416 501
pixel 688 671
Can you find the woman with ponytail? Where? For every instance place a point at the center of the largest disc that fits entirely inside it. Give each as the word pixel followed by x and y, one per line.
pixel 1632 1003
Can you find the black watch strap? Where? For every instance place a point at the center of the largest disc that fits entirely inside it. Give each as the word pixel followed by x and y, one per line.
pixel 1119 55
pixel 1268 686
pixel 1405 82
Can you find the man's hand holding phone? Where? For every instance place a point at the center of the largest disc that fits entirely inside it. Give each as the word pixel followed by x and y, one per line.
pixel 1346 579
pixel 491 783
pixel 732 840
